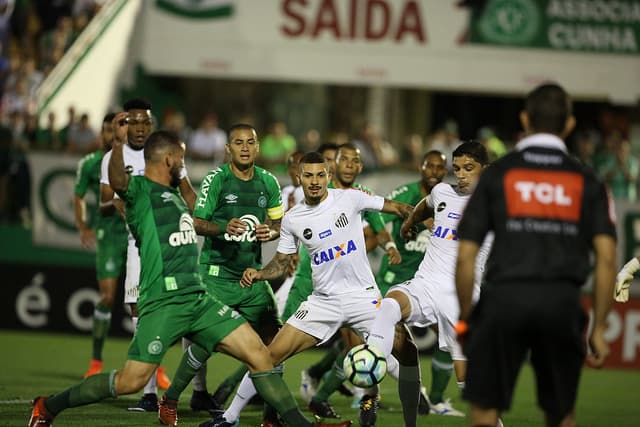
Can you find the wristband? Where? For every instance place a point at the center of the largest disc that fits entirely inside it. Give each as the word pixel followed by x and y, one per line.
pixel 632 266
pixel 390 244
pixel 461 327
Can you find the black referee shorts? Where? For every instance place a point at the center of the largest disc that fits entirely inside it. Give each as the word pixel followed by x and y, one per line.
pixel 509 321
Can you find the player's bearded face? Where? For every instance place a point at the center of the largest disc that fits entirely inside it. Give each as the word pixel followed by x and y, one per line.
pixel 177 163
pixel 467 172
pixel 314 179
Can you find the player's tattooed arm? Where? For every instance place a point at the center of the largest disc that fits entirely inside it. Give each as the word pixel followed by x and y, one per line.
pixel 276 268
pixel 233 227
pixel 268 231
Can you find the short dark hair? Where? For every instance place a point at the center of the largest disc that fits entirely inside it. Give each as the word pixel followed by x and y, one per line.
pixel 548 107
pixel 472 149
pixel 136 104
pixel 312 157
pixel 434 153
pixel 108 118
pixel 349 146
pixel 326 146
pixel 240 126
pixel 159 142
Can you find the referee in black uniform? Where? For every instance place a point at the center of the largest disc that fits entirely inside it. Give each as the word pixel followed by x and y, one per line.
pixel 548 213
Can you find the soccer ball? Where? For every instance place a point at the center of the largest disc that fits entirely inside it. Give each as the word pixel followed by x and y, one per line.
pixel 364 366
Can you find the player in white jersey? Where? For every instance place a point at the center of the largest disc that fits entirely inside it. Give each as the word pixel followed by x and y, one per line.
pixel 328 223
pixel 135 125
pixel 430 298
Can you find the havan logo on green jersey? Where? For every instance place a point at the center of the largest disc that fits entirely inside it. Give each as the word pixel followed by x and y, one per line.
pixel 250 234
pixel 334 253
pixel 186 235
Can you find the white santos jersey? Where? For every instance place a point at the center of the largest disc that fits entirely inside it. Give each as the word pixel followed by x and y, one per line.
pixel 440 257
pixel 133 159
pixel 332 235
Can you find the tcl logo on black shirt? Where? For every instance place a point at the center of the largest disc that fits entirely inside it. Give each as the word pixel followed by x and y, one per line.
pixel 543 194
pixel 544 208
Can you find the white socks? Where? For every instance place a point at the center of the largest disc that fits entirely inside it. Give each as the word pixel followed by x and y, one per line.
pixel 384 326
pixel 246 390
pixel 393 367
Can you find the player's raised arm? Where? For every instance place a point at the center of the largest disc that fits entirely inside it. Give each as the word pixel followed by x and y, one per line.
pixel 118 177
pixel 188 193
pixel 276 268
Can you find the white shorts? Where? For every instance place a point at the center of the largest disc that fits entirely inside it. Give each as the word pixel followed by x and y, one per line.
pixel 431 305
pixel 321 316
pixel 132 276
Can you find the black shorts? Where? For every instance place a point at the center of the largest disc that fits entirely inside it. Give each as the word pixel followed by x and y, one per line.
pixel 511 320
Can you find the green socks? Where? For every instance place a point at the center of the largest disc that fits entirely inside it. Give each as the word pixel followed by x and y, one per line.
pixel 323 365
pixel 441 370
pixel 274 391
pixel 332 380
pixel 101 323
pixel 91 390
pixel 192 360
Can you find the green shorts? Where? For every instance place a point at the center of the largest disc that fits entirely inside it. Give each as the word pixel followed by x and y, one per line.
pixel 256 304
pixel 111 253
pixel 301 288
pixel 197 316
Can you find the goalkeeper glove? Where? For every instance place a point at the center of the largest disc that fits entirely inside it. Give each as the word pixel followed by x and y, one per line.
pixel 624 279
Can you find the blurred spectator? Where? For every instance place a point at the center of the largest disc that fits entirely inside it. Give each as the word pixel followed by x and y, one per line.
pixel 585 145
pixel 310 140
pixel 32 76
pixel 275 148
pixel 49 137
pixel 494 145
pixel 81 139
pixel 620 171
pixel 607 152
pixel 174 121
pixel 208 141
pixel 412 151
pixel 15 179
pixel 289 191
pixel 445 140
pixel 18 99
pixel 6 9
pixel 71 124
pixel 375 152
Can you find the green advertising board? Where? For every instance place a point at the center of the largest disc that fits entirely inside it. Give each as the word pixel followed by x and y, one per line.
pixel 603 26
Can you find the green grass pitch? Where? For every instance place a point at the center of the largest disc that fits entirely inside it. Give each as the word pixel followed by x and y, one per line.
pixel 37 363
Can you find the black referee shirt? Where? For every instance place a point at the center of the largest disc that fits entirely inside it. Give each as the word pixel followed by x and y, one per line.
pixel 544 208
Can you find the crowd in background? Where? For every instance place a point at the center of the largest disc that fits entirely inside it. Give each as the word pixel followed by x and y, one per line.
pixel 34 36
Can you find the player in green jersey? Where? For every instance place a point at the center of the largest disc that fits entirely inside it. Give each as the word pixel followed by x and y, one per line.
pixel 109 237
pixel 239 206
pixel 173 301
